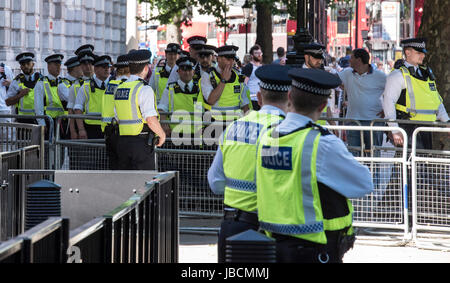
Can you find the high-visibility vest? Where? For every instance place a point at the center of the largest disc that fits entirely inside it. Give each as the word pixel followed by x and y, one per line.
pixel 76 86
pixel 182 103
pixel 126 103
pixel 108 102
pixel 323 115
pixel 230 101
pixel 25 106
pixel 238 149
pixel 161 79
pixel 421 98
pixel 289 198
pixel 53 105
pixel 93 101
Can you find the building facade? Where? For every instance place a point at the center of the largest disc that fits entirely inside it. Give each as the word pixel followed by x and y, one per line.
pixel 45 27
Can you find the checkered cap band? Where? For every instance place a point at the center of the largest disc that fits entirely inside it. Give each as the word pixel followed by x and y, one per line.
pixel 87 58
pixel 274 87
pixel 311 89
pixel 196 42
pixel 122 64
pixel 314 51
pixel 102 62
pixel 26 58
pixel 56 59
pixel 228 52
pixel 74 64
pixel 415 44
pixel 139 62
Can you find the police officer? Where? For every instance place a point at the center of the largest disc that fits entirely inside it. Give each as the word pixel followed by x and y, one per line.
pixel 314 55
pixel 86 57
pixel 161 73
pixel 137 116
pixel 232 172
pixel 182 97
pixel 226 91
pixel 411 94
pixel 122 75
pixel 305 177
pixel 90 98
pixel 48 98
pixel 21 90
pixel 195 43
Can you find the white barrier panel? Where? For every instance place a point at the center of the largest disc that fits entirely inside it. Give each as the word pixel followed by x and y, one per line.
pixel 430 192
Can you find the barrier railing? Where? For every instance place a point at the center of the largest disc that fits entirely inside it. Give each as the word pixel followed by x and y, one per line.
pixel 144 229
pixel 11 199
pixel 430 176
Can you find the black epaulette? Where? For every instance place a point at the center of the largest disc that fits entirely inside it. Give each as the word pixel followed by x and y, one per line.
pixel 19 77
pixel 164 73
pixel 92 85
pixel 241 78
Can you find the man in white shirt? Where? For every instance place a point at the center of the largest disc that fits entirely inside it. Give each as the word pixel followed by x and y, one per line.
pixel 249 70
pixel 161 73
pixel 364 86
pixel 6 77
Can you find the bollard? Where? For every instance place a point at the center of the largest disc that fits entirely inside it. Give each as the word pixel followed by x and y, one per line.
pixel 43 200
pixel 250 247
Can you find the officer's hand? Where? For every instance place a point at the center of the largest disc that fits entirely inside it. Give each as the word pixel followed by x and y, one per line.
pixel 6 83
pixel 381 114
pixel 162 139
pixel 226 73
pixel 82 135
pixel 396 138
pixel 24 91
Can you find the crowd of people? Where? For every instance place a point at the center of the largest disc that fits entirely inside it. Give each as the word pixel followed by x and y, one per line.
pixel 275 138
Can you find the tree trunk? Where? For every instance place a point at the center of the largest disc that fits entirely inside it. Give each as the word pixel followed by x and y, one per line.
pixel 264 30
pixel 173 31
pixel 435 27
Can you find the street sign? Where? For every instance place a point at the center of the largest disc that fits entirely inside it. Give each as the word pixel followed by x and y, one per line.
pixel 342 12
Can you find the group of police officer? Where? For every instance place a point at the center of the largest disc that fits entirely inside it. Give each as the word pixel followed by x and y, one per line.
pixel 282 173
pixel 279 170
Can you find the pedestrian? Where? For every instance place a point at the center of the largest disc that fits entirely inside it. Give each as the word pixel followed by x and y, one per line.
pixel 363 86
pixel 111 136
pixel 344 62
pixel 49 99
pixel 411 93
pixel 161 73
pixel 137 116
pixel 90 98
pixel 6 77
pixel 305 177
pixel 228 174
pixel 227 97
pixel 281 54
pixel 249 72
pixel 21 90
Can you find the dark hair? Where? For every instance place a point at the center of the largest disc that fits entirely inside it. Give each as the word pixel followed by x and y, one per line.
pixel 273 96
pixel 254 47
pixel 363 54
pixel 280 51
pixel 306 102
pixel 137 68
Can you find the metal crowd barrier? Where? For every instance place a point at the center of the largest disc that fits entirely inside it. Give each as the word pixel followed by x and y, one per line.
pixel 144 229
pixel 11 199
pixel 430 194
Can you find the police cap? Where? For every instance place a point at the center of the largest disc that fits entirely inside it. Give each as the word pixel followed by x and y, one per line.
pixel 207 50
pixel 186 62
pixel 122 61
pixel 102 60
pixel 419 44
pixel 86 56
pixel 84 48
pixel 55 58
pixel 228 51
pixel 72 62
pixel 274 77
pixel 140 56
pixel 314 81
pixel 173 48
pixel 314 49
pixel 197 40
pixel 25 57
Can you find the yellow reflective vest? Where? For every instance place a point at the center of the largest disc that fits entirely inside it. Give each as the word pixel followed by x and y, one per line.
pixel 420 100
pixel 25 106
pixel 93 101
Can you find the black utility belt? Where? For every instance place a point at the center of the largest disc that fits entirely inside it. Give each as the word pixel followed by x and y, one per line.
pixel 240 215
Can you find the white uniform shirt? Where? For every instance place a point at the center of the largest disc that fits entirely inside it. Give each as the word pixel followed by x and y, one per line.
pixel 395 83
pixel 9 76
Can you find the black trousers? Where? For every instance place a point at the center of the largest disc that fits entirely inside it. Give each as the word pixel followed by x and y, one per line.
pixel 424 139
pixel 111 139
pixel 134 153
pixel 230 226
